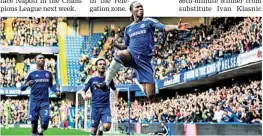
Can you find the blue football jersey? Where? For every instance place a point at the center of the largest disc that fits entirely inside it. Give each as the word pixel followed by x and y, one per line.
pixel 99 98
pixel 139 36
pixel 42 81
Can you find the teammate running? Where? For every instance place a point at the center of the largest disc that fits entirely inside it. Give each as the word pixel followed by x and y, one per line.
pixel 100 100
pixel 138 50
pixel 40 81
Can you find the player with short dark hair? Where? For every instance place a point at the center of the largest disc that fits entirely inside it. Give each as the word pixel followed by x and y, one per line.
pixel 40 81
pixel 100 100
pixel 138 50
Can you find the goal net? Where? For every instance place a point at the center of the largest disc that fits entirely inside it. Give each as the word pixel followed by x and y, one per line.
pixel 82 113
pixel 114 119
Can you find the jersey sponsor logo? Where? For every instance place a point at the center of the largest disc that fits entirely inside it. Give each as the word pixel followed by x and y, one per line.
pixel 36 75
pixel 42 80
pixel 137 33
pixel 47 75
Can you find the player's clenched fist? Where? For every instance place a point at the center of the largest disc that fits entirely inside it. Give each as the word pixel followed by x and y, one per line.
pixel 86 98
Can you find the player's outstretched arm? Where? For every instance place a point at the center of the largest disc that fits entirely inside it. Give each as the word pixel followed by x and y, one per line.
pixel 167 28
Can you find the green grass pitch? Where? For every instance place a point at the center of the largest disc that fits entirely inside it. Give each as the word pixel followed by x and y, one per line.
pixel 50 131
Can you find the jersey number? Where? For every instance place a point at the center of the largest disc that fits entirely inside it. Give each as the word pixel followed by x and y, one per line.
pixel 46 112
pixel 108 118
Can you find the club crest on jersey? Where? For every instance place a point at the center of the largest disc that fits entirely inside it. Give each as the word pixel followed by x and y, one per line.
pixel 47 75
pixel 142 25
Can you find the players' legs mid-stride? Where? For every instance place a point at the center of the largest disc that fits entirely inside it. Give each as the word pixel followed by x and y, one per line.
pixel 103 115
pixel 39 109
pixel 104 127
pixel 144 73
pixel 95 117
pixel 33 116
pixel 44 117
pixel 125 58
pixel 149 90
pixel 121 58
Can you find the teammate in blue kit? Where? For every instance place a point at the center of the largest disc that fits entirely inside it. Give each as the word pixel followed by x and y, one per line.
pixel 138 50
pixel 40 81
pixel 100 100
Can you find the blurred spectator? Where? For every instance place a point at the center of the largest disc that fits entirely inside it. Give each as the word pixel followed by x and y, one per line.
pixel 8 76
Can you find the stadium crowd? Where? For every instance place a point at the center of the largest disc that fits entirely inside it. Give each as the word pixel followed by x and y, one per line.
pixel 177 52
pixel 18 113
pixel 30 31
pixel 12 76
pixel 239 103
pixel 9 76
pixel 224 38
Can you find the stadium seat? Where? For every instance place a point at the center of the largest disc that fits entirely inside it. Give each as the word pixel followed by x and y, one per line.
pixel 75 46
